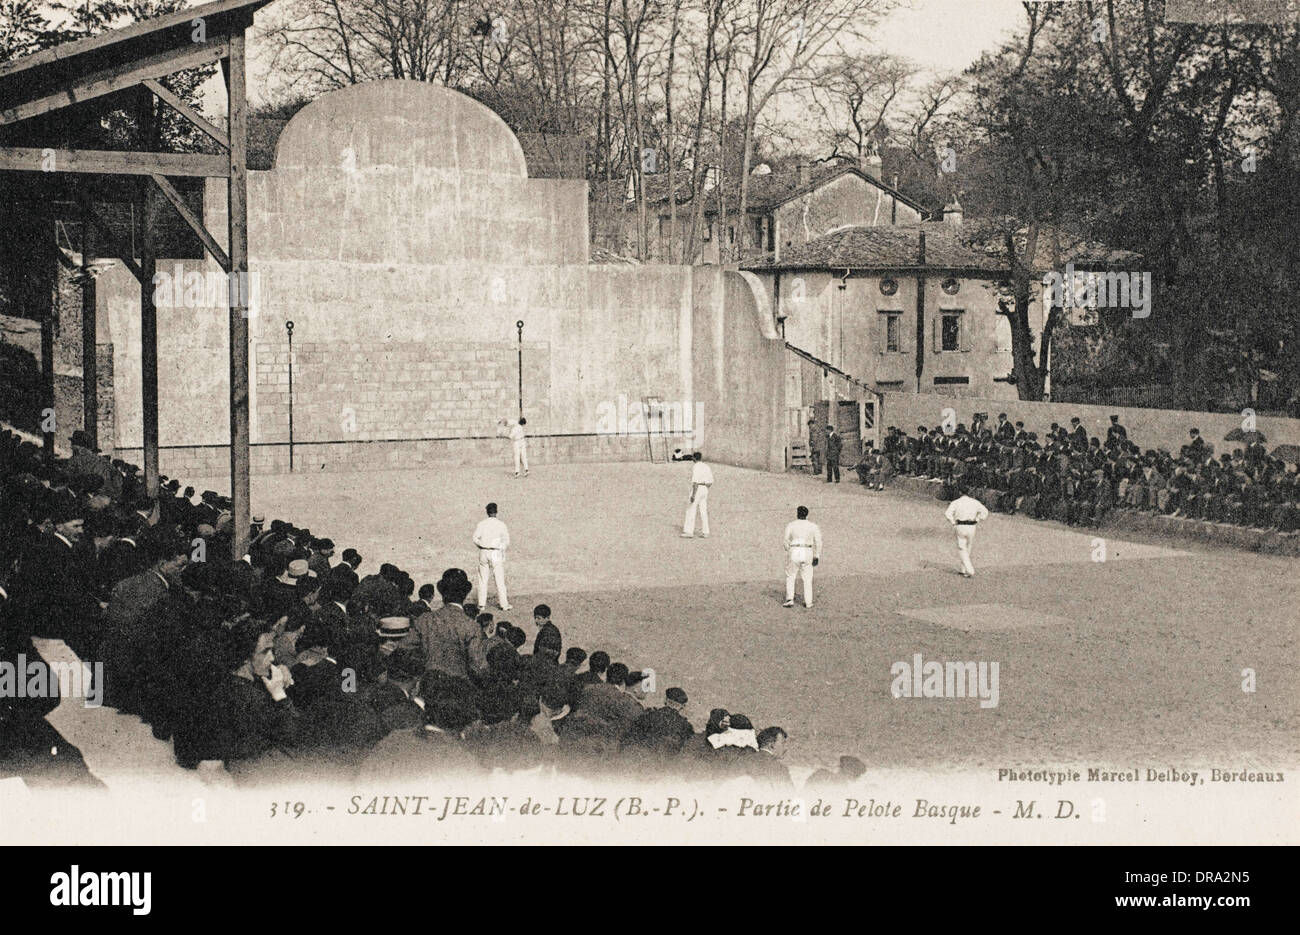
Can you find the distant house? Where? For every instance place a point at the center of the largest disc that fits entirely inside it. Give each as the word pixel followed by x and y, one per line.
pixel 785 209
pixel 908 308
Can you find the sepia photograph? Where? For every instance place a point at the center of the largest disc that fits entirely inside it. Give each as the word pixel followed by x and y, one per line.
pixel 777 422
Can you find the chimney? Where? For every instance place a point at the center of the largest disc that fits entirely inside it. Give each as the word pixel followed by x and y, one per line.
pixel 710 180
pixel 952 212
pixel 870 163
pixel 805 172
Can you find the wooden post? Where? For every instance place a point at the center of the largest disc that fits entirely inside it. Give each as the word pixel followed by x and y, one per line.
pixel 89 357
pixel 51 310
pixel 148 312
pixel 237 204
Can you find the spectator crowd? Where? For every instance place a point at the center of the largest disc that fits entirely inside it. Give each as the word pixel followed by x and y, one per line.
pixel 289 664
pixel 1077 479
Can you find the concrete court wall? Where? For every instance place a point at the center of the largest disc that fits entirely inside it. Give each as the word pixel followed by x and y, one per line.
pixel 738 371
pixel 1148 428
pixel 400 234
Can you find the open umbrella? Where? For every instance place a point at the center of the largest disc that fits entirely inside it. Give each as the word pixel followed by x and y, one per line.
pixel 1288 453
pixel 1240 435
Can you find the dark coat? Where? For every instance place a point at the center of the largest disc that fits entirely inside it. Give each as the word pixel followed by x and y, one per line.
pixel 452 642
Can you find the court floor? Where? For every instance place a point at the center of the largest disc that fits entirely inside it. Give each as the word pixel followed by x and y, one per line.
pixel 1107 650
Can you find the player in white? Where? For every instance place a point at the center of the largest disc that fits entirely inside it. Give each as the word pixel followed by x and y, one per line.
pixel 701 481
pixel 492 539
pixel 803 543
pixel 964 514
pixel 520 443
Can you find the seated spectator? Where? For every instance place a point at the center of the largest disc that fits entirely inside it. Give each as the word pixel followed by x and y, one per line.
pixel 252 725
pixel 438 748
pixel 662 730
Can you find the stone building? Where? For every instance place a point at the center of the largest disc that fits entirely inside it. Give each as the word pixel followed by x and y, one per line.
pixel 906 308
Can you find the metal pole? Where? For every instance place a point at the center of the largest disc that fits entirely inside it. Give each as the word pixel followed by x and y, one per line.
pixel 289 326
pixel 520 326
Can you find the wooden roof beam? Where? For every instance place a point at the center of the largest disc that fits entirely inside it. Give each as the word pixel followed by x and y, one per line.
pixel 188 112
pixel 113 162
pixel 112 80
pixel 193 220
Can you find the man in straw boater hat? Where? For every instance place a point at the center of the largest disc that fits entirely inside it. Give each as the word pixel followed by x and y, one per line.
pixel 281 593
pixel 396 633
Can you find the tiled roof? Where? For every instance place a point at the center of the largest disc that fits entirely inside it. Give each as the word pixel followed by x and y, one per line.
pixel 889 247
pixel 971 247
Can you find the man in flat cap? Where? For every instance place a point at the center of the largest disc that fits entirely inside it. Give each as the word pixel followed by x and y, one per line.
pixel 663 730
pixel 834 446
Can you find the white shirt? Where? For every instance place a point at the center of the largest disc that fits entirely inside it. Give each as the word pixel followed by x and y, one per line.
pixel 491 533
pixel 701 474
pixel 516 433
pixel 803 533
pixel 966 508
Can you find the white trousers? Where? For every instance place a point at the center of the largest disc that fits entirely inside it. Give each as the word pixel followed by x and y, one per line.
pixel 965 539
pixel 493 561
pixel 521 455
pixel 802 567
pixel 701 502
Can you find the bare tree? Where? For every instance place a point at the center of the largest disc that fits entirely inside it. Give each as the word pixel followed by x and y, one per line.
pixel 335 43
pixel 855 98
pixel 783 45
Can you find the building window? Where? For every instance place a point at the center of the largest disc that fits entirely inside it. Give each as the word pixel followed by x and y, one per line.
pixel 951 381
pixel 708 230
pixel 889 384
pixel 950 332
pixel 891 332
pixel 731 233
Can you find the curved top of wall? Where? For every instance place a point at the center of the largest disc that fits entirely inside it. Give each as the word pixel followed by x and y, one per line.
pixel 400 123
